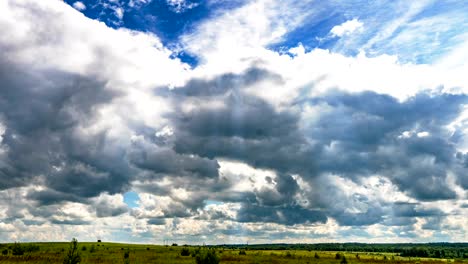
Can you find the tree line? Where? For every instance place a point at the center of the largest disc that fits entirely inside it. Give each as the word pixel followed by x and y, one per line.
pixel 431 250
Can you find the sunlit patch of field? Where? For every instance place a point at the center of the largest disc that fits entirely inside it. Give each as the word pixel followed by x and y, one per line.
pixel 92 252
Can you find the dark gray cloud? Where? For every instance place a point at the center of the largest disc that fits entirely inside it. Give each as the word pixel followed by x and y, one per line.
pixel 44 114
pixel 288 215
pixel 106 208
pixel 223 84
pixel 156 221
pixel 356 136
pixel 164 160
pixel 366 130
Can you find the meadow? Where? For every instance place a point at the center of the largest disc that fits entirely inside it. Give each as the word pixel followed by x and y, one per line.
pixel 94 252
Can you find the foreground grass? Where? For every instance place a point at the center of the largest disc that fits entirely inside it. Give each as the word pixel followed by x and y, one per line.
pixel 115 252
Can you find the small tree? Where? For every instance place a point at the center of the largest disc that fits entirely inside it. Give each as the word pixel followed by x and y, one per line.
pixel 242 252
pixel 316 255
pixel 73 255
pixel 337 256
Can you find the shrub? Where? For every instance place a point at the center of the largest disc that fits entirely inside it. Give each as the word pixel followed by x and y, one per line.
pixel 316 255
pixel 5 252
pixel 31 248
pixel 92 249
pixel 195 252
pixel 242 252
pixel 17 249
pixel 337 256
pixel 357 256
pixel 207 257
pixel 185 252
pixel 174 245
pixel 343 260
pixel 73 256
pixel 127 257
pixel 83 248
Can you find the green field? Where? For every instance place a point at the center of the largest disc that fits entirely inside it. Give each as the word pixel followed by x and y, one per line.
pixel 93 252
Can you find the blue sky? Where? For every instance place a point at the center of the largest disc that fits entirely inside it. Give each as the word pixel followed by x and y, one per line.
pixel 417 32
pixel 231 121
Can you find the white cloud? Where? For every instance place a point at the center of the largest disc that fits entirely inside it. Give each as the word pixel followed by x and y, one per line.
pixel 347 28
pixel 180 6
pixel 78 5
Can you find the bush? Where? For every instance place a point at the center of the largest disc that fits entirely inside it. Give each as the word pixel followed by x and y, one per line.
pixel 17 249
pixel 92 249
pixel 195 252
pixel 357 256
pixel 337 256
pixel 31 248
pixel 316 255
pixel 83 248
pixel 343 260
pixel 174 245
pixel 185 252
pixel 127 257
pixel 5 252
pixel 242 252
pixel 73 256
pixel 207 257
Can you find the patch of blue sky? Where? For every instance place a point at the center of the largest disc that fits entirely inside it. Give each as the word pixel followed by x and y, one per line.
pixel 313 34
pixel 158 17
pixel 131 199
pixel 423 36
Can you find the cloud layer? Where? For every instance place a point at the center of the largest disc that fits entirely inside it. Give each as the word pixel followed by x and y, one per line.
pixel 252 143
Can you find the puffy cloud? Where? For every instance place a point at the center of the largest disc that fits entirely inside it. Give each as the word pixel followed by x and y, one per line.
pixel 250 143
pixel 347 28
pixel 79 6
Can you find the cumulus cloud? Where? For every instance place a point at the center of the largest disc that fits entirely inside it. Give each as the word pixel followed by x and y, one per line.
pixel 79 6
pixel 250 142
pixel 347 28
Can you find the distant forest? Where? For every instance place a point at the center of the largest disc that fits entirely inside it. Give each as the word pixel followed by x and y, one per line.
pixel 431 250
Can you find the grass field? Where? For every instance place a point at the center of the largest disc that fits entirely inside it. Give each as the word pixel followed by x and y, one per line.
pixel 115 252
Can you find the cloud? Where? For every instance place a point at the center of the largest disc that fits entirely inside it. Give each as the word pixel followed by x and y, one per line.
pixel 79 6
pixel 347 28
pixel 180 6
pixel 252 142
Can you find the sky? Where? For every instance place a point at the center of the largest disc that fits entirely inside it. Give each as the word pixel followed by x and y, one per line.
pixel 245 121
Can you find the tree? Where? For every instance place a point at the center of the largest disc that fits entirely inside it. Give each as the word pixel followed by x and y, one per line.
pixel 73 255
pixel 316 255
